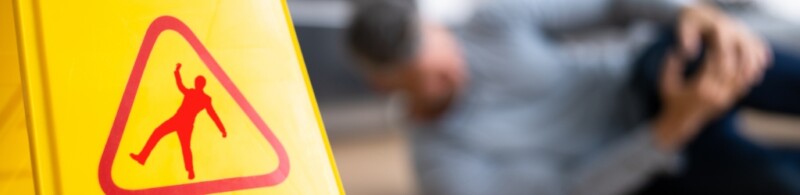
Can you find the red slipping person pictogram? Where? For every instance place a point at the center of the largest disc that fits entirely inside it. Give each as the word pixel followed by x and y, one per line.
pixel 194 101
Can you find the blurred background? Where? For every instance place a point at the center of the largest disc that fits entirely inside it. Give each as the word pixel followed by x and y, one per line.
pixel 367 136
pixel 366 131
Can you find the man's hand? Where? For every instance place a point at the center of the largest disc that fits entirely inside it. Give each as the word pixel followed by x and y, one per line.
pixel 224 134
pixel 689 104
pixel 735 60
pixel 436 76
pixel 698 24
pixel 178 67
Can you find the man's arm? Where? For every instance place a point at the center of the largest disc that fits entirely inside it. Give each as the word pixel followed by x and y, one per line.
pixel 213 114
pixel 574 15
pixel 662 11
pixel 687 104
pixel 624 166
pixel 697 23
pixel 178 79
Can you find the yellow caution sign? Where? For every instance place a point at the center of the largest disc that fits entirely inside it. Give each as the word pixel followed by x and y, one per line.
pixel 170 97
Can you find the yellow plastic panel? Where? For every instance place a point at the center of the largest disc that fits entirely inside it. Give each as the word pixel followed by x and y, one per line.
pixel 104 89
pixel 16 176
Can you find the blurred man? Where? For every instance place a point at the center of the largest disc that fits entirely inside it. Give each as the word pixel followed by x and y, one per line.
pixel 507 107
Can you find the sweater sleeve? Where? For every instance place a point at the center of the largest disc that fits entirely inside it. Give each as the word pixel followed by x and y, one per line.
pixel 623 167
pixel 572 15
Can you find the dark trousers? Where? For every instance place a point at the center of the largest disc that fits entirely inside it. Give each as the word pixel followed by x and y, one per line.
pixel 719 160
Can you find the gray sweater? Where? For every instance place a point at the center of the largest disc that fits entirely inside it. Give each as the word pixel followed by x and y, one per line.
pixel 548 109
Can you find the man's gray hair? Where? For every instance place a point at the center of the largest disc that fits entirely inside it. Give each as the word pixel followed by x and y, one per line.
pixel 384 32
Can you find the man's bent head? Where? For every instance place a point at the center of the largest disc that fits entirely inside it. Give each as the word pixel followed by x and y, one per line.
pixel 399 51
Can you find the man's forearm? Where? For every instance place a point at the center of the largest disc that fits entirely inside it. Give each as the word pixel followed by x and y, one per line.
pixel 673 129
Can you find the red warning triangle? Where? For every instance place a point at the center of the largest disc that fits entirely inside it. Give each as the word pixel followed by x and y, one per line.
pixel 158 26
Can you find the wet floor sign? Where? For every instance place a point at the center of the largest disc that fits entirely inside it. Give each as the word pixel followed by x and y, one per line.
pixel 169 97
